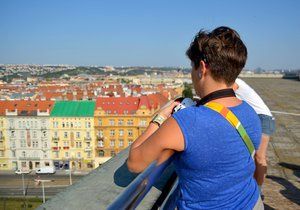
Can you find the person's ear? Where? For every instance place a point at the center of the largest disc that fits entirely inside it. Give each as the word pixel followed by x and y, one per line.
pixel 203 67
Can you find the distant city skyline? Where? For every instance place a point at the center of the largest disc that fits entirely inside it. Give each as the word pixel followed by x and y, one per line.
pixel 136 33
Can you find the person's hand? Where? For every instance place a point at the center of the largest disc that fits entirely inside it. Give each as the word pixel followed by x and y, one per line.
pixel 167 109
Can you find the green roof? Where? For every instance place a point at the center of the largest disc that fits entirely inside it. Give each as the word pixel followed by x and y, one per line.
pixel 73 109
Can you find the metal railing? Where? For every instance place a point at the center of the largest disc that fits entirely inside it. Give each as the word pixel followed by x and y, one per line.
pixel 138 189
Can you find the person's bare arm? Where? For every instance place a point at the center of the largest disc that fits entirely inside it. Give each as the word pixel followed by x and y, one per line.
pixel 155 141
pixel 158 146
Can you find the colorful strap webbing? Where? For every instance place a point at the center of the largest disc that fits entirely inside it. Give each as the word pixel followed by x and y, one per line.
pixel 234 121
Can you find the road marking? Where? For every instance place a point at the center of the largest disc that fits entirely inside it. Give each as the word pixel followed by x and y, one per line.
pixel 287 113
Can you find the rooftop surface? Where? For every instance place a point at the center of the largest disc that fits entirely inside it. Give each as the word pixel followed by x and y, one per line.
pixel 73 109
pixel 281 189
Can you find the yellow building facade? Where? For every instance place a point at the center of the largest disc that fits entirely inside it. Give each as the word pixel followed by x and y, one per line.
pixel 118 122
pixel 72 135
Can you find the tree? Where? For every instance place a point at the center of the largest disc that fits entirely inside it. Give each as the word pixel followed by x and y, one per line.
pixel 187 91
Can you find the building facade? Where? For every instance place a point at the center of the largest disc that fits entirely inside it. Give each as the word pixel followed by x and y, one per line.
pixel 4 160
pixel 72 135
pixel 120 120
pixel 27 134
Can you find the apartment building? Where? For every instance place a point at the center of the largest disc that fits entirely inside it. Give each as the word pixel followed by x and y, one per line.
pixel 120 120
pixel 72 135
pixel 26 134
pixel 4 161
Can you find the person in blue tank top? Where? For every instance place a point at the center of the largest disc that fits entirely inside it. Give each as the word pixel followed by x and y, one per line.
pixel 214 166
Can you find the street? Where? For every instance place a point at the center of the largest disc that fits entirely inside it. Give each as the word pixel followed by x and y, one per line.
pixel 11 184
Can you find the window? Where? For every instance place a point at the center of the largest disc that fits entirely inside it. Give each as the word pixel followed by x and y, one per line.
pixel 77 134
pixel 121 132
pixel 13 153
pixel 45 144
pixel 1 153
pixel 47 164
pixel 112 153
pixel 121 143
pixel 111 122
pixel 35 144
pixel 67 124
pixel 89 154
pixel 78 144
pixel 112 143
pixel 66 144
pixel 143 123
pixel 130 122
pixel 55 134
pixel 66 154
pixel 34 134
pixel 100 133
pixel 129 142
pixel 55 154
pixel 66 134
pixel 120 122
pixel 63 124
pixel 112 133
pixel 130 132
pixel 101 153
pixel 100 143
pixel 88 134
pixel 12 134
pixel 23 154
pixel 78 155
pixel 44 133
pixel 99 122
pixel 23 143
pixel 88 144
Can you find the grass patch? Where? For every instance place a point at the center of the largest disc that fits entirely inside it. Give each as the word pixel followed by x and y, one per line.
pixel 19 203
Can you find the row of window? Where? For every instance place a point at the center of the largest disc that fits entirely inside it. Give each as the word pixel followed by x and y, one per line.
pixel 87 124
pixel 113 132
pixel 78 144
pixel 27 133
pixel 67 154
pixel 71 134
pixel 112 143
pixel 29 144
pixel 121 122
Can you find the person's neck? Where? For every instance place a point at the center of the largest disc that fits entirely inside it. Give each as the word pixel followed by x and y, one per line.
pixel 215 86
pixel 212 87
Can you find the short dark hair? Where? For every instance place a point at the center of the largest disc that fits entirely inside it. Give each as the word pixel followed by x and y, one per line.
pixel 222 49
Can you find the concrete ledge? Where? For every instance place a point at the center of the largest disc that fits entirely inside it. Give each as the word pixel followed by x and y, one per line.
pixel 100 187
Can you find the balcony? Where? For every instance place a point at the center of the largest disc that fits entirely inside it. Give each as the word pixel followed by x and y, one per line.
pixel 44 128
pixel 30 158
pixel 65 148
pixel 55 148
pixel 87 149
pixel 55 138
pixel 87 139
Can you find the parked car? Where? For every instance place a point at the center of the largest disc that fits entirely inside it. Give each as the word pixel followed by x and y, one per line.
pixel 23 171
pixel 45 170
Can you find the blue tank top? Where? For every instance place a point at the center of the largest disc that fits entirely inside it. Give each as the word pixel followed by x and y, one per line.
pixel 215 169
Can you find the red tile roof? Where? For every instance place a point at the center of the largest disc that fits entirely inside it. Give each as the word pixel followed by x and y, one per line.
pixel 129 105
pixel 25 106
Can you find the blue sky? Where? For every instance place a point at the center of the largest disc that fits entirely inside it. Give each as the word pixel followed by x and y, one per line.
pixel 147 33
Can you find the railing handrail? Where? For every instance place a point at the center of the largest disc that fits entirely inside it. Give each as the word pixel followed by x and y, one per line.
pixel 137 190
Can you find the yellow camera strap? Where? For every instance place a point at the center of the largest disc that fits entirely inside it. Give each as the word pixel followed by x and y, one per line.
pixel 234 121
